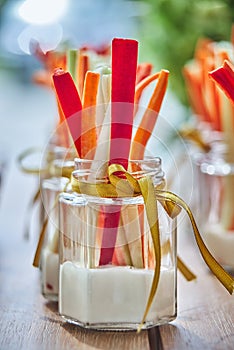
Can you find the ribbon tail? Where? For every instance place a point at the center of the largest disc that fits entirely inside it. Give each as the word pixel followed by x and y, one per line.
pixel 37 255
pixel 147 190
pixel 222 275
pixel 186 272
pixel 31 204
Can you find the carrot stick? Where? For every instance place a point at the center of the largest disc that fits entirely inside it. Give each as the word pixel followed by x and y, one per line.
pixel 124 65
pixel 195 94
pixel 142 85
pixel 70 103
pixel 143 70
pixel 210 94
pixel 148 121
pixel 88 124
pixel 42 77
pixel 83 67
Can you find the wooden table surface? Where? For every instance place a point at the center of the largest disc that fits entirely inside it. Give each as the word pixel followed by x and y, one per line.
pixel 27 321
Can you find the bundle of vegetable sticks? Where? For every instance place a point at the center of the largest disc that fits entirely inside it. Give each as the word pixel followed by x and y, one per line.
pixel 116 91
pixel 207 102
pixel 77 62
pixel 212 107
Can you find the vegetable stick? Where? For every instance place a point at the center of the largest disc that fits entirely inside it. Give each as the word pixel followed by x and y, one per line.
pixel 148 121
pixel 72 63
pixel 141 86
pixel 203 48
pixel 143 70
pixel 146 127
pixel 224 77
pixel 121 256
pixel 62 131
pixel 227 214
pixel 83 67
pixel 70 103
pixel 103 96
pixel 133 233
pixel 124 65
pixel 210 94
pixel 102 152
pixel 88 123
pixel 191 74
pixel 43 78
pixel 90 89
pixel 106 87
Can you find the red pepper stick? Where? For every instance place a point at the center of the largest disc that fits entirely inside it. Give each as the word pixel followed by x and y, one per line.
pixel 224 77
pixel 70 103
pixel 124 66
pixel 63 133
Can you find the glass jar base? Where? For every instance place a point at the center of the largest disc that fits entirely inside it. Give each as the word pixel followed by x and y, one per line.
pixel 118 327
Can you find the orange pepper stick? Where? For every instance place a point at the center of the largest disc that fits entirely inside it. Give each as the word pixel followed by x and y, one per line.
pixel 141 86
pixel 70 103
pixel 83 67
pixel 194 89
pixel 211 97
pixel 88 124
pixel 149 119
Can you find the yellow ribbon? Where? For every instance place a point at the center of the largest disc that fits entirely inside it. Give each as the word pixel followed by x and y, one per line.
pixel 52 168
pixel 119 187
pixel 37 255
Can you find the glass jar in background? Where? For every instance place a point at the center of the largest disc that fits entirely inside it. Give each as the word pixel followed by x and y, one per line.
pixel 107 257
pixel 215 173
pixel 60 172
pixel 200 139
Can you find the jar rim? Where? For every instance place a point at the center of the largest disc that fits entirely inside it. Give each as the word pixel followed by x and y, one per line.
pixel 150 166
pixel 147 159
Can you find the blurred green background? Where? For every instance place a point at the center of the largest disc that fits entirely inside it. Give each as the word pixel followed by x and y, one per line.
pixel 171 29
